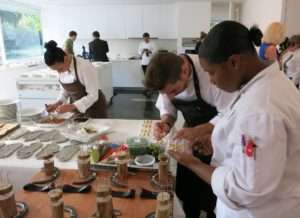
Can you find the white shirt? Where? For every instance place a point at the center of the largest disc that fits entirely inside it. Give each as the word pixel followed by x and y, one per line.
pixel 151 47
pixel 87 75
pixel 209 92
pixel 266 185
pixel 292 62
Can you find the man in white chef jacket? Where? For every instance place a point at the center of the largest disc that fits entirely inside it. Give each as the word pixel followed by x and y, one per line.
pixel 256 144
pixel 184 86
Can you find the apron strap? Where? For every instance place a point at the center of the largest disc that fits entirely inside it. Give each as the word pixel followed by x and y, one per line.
pixel 75 68
pixel 195 78
pixel 285 63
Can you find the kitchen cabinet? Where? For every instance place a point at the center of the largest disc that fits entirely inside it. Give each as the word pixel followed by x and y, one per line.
pixel 116 28
pixel 133 19
pixel 157 19
pixel 168 28
pixel 151 19
pixel 127 73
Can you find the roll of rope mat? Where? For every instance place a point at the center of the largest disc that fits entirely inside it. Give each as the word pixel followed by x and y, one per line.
pixel 27 151
pixel 9 149
pixel 67 152
pixel 48 150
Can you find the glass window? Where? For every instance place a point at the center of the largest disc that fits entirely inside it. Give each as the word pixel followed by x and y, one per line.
pixel 21 35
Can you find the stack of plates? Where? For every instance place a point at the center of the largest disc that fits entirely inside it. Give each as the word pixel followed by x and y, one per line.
pixel 32 114
pixel 8 109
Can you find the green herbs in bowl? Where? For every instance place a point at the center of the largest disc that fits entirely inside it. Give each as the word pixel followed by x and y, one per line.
pixel 137 146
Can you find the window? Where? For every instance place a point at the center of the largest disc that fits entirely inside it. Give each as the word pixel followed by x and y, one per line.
pixel 21 33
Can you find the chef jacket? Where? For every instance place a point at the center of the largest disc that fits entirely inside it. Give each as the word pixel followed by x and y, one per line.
pixel 151 47
pixel 257 150
pixel 209 93
pixel 291 66
pixel 87 74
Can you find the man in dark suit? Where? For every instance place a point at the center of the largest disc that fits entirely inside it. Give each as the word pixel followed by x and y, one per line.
pixel 98 48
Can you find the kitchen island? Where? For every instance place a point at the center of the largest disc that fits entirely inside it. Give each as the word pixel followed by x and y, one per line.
pixel 20 172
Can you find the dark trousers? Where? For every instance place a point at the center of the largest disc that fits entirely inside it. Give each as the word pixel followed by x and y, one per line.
pixel 144 68
pixel 195 194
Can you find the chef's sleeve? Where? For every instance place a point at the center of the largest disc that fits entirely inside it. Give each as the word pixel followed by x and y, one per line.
pixel 165 106
pixel 252 179
pixel 88 75
pixel 63 95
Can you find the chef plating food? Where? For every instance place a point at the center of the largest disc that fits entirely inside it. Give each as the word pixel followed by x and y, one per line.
pixel 254 170
pixel 78 79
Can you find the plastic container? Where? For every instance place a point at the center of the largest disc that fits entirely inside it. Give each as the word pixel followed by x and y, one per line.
pixel 137 146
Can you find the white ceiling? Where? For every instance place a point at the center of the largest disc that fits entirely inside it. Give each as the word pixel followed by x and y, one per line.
pixel 43 3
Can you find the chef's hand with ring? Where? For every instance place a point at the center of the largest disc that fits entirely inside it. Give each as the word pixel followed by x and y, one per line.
pixel 184 155
pixel 52 107
pixel 65 108
pixel 204 145
pixel 194 134
pixel 160 129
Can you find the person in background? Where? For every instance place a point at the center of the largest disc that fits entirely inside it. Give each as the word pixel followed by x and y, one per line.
pixel 202 37
pixel 146 50
pixel 184 86
pixel 291 60
pixel 68 46
pixel 272 37
pixel 98 48
pixel 78 78
pixel 254 169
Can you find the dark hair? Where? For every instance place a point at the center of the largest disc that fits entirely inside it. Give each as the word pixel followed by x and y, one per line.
pixel 96 34
pixel 294 40
pixel 228 38
pixel 163 68
pixel 72 33
pixel 146 35
pixel 53 53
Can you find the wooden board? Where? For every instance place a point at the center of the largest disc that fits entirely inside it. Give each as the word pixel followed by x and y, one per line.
pixel 7 128
pixel 85 204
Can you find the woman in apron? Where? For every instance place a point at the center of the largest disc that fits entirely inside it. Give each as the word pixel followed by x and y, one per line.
pixel 78 78
pixel 254 169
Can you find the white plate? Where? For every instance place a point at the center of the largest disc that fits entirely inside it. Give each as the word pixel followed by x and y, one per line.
pixel 144 160
pixel 80 135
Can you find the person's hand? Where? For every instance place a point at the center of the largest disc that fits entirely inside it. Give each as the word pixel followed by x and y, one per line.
pixel 65 108
pixel 52 107
pixel 204 145
pixel 195 134
pixel 160 129
pixel 184 155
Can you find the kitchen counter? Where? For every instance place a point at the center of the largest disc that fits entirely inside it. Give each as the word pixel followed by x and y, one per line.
pixel 20 172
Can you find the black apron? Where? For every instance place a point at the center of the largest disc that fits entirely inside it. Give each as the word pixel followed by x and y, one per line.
pixel 194 193
pixel 76 91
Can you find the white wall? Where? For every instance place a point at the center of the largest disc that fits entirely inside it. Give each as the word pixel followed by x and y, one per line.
pixel 57 21
pixel 220 11
pixel 261 12
pixel 291 17
pixel 192 18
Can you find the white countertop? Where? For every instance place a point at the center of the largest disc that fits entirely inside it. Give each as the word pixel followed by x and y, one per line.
pixel 120 130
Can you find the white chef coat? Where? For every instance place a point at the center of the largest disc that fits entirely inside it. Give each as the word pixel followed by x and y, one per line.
pixel 151 47
pixel 87 75
pixel 292 62
pixel 266 185
pixel 209 92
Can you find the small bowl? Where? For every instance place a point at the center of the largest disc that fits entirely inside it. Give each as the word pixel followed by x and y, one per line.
pixel 144 160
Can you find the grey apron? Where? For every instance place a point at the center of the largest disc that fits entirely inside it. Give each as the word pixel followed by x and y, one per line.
pixel 76 91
